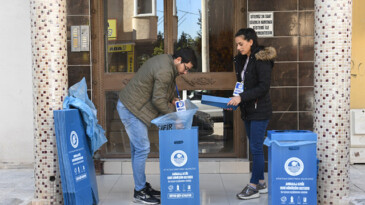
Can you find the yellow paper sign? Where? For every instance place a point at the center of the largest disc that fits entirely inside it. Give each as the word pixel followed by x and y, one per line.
pixel 112 29
pixel 130 62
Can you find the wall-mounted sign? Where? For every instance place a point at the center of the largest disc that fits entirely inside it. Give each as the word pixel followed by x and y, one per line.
pixel 124 48
pixel 130 62
pixel 112 29
pixel 120 48
pixel 262 22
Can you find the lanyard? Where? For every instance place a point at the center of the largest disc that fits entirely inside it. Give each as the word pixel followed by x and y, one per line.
pixel 244 69
pixel 177 90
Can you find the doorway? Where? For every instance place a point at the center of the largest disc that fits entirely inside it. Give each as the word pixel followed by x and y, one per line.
pixel 125 33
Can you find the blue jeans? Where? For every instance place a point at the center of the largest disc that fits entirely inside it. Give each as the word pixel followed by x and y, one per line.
pixel 255 130
pixel 140 144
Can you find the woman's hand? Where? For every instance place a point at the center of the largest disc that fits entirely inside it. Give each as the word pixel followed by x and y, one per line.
pixel 234 101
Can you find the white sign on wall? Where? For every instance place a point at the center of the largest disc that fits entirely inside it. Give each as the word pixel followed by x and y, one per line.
pixel 262 22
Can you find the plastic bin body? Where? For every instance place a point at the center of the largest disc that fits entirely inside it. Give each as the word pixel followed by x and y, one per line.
pixel 179 167
pixel 76 163
pixel 217 102
pixel 292 168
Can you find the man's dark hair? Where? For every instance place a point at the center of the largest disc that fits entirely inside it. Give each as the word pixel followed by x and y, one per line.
pixel 248 34
pixel 187 55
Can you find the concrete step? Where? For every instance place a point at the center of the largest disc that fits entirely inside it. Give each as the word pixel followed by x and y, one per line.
pixel 206 166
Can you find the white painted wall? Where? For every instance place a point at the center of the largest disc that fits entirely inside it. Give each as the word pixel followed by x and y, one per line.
pixel 16 108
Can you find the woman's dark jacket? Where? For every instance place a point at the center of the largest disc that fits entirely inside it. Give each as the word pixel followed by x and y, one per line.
pixel 255 100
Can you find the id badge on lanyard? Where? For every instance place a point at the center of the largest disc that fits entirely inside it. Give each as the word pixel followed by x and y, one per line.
pixel 238 89
pixel 180 105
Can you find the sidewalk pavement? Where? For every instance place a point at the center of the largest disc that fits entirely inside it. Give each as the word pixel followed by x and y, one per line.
pixel 17 188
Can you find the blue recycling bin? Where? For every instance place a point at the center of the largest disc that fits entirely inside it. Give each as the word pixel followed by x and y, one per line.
pixel 179 166
pixel 292 167
pixel 77 169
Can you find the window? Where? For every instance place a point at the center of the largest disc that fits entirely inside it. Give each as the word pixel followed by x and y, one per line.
pixel 145 7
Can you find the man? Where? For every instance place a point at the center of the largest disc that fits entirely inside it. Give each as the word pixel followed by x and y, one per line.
pixel 149 94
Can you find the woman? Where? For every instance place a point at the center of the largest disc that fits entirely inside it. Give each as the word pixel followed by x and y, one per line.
pixel 253 66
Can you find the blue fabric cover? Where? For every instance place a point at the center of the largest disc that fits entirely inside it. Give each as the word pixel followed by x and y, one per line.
pixel 79 99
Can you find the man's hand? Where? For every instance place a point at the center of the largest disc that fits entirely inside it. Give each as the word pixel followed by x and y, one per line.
pixel 174 101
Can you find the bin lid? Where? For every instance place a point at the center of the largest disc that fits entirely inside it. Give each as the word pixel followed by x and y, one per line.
pixel 292 135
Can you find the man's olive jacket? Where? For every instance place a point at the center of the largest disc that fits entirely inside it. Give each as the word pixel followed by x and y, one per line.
pixel 151 91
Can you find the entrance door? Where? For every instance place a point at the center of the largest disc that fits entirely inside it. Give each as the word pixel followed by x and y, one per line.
pixel 125 33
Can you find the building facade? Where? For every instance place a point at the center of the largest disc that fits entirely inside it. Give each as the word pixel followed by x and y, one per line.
pixel 107 41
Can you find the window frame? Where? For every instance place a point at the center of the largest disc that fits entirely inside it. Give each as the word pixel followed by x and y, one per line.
pixel 153 13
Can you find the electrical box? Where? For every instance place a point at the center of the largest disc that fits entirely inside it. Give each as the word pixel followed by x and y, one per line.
pixel 75 38
pixel 84 38
pixel 359 121
pixel 80 38
pixel 357 130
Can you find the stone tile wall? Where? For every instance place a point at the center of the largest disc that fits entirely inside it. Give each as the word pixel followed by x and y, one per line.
pixel 49 64
pixel 292 77
pixel 333 21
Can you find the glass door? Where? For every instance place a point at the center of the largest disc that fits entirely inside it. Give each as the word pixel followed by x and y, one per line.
pixel 127 33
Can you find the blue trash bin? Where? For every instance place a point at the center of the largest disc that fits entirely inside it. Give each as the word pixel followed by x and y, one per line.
pixel 179 167
pixel 77 169
pixel 292 167
pixel 179 157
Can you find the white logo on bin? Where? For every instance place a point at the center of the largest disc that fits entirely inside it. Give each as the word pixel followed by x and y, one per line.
pixel 283 199
pixel 179 158
pixel 74 139
pixel 294 166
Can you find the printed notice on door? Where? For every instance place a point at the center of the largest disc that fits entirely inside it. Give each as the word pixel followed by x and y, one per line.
pixel 262 22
